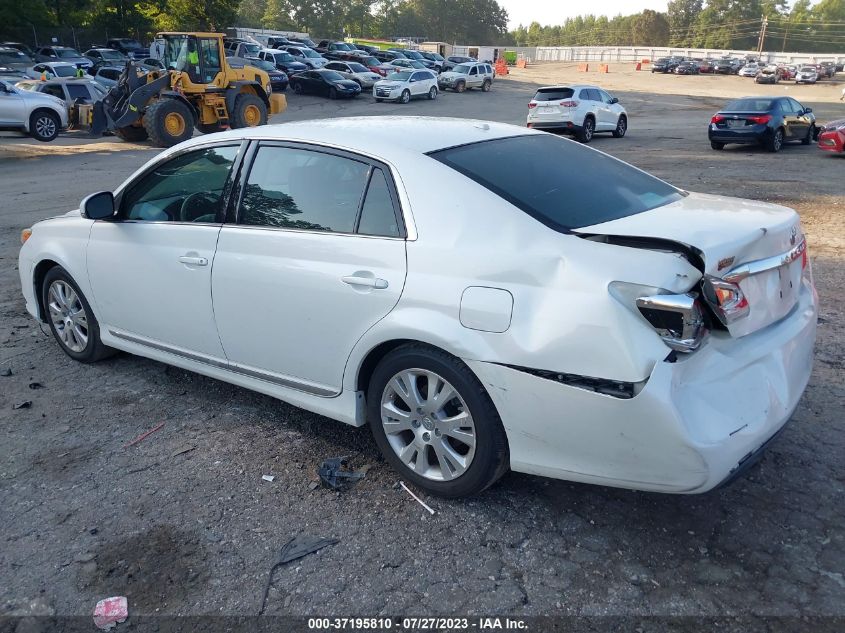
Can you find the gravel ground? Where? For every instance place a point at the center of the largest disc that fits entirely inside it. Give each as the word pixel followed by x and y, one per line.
pixel 182 523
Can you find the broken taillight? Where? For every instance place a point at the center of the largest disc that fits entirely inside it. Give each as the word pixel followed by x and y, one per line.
pixel 726 299
pixel 678 319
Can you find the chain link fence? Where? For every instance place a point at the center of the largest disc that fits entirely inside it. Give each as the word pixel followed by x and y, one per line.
pixel 79 38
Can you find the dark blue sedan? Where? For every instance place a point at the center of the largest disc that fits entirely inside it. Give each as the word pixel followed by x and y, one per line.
pixel 327 83
pixel 766 121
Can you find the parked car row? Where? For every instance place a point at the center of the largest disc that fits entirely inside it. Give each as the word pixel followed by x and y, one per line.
pixel 750 67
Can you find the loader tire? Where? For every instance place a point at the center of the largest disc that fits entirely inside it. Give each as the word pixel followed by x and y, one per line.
pixel 131 134
pixel 249 111
pixel 168 122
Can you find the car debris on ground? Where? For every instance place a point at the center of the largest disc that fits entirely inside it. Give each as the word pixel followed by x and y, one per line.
pixel 110 611
pixel 420 501
pixel 336 474
pixel 143 436
pixel 295 548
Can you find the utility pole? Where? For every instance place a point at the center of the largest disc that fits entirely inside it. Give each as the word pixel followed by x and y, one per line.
pixel 788 23
pixel 762 40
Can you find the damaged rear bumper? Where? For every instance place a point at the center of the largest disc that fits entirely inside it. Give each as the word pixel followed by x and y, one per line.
pixel 694 424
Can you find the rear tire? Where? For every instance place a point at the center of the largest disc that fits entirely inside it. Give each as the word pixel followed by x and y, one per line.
pixel 585 134
pixel 44 125
pixel 621 127
pixel 460 86
pixel 485 463
pixel 73 313
pixel 775 142
pixel 485 87
pixel 297 88
pixel 131 134
pixel 168 122
pixel 716 145
pixel 249 111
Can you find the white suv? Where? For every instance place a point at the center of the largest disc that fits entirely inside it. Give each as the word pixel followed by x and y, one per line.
pixel 405 84
pixel 578 110
pixel 40 115
pixel 466 76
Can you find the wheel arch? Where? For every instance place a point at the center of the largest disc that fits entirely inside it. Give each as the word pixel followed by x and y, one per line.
pixel 245 87
pixel 39 272
pixel 177 97
pixel 44 108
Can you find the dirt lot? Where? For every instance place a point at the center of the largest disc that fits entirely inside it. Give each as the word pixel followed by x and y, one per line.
pixel 182 522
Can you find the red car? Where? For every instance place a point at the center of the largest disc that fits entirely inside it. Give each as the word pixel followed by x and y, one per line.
pixel 832 136
pixel 706 66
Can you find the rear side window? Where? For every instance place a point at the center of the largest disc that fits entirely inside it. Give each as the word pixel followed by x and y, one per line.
pixel 553 94
pixel 78 91
pixel 300 189
pixel 536 173
pixel 378 216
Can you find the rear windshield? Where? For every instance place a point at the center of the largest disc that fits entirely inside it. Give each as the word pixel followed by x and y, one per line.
pixel 749 105
pixel 535 173
pixel 553 94
pixel 64 71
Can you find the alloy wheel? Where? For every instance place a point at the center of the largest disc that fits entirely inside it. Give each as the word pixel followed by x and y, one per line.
pixel 68 316
pixel 621 126
pixel 428 424
pixel 45 126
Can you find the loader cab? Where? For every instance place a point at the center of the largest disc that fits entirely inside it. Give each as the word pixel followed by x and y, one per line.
pixel 198 55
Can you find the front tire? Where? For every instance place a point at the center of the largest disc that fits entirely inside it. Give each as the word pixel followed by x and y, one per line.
pixel 432 94
pixel 406 96
pixel 621 126
pixel 297 88
pixel 71 319
pixel 168 122
pixel 585 134
pixel 249 111
pixel 460 86
pixel 131 134
pixel 811 134
pixel 716 145
pixel 44 125
pixel 434 422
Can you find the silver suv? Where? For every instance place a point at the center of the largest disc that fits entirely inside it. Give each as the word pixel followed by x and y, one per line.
pixel 40 115
pixel 467 76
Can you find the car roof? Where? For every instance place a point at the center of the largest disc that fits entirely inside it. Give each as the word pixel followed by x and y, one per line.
pixel 56 64
pixel 391 138
pixel 572 86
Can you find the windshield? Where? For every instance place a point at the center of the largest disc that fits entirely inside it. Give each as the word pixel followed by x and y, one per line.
pixel 436 57
pixel 252 49
pixel 463 69
pixel 309 53
pixel 331 75
pixel 401 76
pixel 370 61
pixel 534 173
pixel 412 54
pixel 340 46
pixel 110 54
pixel 554 94
pixel 284 57
pixel 67 52
pixel 749 105
pixel 261 63
pixel 808 69
pixel 13 57
pixel 357 68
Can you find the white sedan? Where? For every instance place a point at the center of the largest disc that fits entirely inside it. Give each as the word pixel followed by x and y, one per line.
pixel 593 324
pixel 404 85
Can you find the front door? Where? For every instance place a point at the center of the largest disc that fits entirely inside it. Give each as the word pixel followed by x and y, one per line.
pixel 150 269
pixel 316 259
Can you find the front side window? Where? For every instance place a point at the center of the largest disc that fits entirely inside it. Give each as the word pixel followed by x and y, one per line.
pixel 188 188
pixel 302 189
pixel 534 173
pixel 78 91
pixel 55 91
pixel 796 107
pixel 473 70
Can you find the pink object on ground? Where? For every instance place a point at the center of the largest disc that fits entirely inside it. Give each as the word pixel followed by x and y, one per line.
pixel 110 611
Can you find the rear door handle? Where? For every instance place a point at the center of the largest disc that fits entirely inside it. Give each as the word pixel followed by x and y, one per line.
pixel 369 282
pixel 193 261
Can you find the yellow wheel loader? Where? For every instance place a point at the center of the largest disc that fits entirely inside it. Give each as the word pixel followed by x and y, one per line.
pixel 197 89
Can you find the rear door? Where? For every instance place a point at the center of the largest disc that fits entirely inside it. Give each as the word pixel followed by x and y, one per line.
pixel 607 115
pixel 316 258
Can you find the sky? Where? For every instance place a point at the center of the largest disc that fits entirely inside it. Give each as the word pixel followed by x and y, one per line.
pixel 556 11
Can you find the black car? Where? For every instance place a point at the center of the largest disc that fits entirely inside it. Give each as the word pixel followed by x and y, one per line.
pixel 369 49
pixel 388 56
pixel 725 67
pixel 278 79
pixel 767 121
pixel 687 68
pixel 416 56
pixel 302 41
pixel 327 83
pixel 335 50
pixel 456 60
pixel 664 65
pixel 129 47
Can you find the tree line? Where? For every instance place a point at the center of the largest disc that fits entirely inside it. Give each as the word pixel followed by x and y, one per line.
pixel 725 24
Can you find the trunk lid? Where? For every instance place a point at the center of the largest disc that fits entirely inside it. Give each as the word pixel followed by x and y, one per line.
pixel 551 103
pixel 729 234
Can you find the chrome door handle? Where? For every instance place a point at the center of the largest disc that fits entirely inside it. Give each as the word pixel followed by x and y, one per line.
pixel 193 261
pixel 370 282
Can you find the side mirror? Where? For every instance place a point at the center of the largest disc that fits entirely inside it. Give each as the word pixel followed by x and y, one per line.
pixel 807 110
pixel 614 100
pixel 98 206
